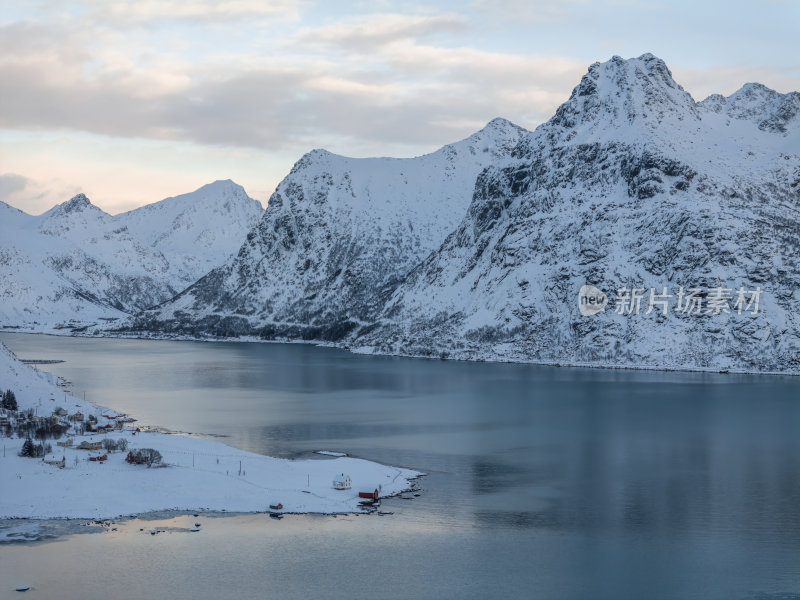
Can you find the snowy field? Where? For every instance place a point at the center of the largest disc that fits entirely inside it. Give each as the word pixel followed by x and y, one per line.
pixel 197 475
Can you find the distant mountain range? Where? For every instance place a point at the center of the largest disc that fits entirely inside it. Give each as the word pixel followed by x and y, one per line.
pixel 681 216
pixel 76 264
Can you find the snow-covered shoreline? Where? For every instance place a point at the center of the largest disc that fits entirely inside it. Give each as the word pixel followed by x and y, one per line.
pixel 200 475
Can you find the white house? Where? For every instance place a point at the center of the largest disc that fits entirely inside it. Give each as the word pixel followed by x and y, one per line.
pixel 341 482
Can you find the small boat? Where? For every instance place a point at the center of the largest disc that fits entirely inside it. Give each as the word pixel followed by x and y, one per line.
pixel 195 529
pixel 23 588
pixel 275 515
pixel 385 512
pixel 278 506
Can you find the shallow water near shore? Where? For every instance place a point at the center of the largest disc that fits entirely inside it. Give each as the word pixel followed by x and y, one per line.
pixel 542 481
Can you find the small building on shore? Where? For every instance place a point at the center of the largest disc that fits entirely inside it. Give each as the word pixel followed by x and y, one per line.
pixel 341 482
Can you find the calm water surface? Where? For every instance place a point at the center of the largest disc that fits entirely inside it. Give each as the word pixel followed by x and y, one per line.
pixel 543 482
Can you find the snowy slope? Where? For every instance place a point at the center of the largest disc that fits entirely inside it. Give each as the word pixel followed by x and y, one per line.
pixel 76 263
pixel 46 280
pixel 195 231
pixel 338 234
pixel 630 185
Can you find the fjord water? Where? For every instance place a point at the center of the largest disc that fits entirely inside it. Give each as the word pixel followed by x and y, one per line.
pixel 542 482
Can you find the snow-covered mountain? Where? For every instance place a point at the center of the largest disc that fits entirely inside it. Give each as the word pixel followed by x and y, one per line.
pixel 77 264
pixel 630 186
pixel 680 218
pixel 337 237
pixel 197 231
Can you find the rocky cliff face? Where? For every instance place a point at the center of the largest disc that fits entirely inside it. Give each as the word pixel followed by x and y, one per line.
pixel 338 236
pixel 76 264
pixel 631 186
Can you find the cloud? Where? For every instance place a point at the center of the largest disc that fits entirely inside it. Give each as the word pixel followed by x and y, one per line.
pixel 32 195
pixel 11 183
pixel 143 11
pixel 527 12
pixel 405 95
pixel 371 31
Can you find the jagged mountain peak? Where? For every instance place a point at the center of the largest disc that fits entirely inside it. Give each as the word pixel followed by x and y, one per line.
pixel 620 93
pixel 499 136
pixel 768 109
pixel 78 203
pixel 498 127
pixel 77 210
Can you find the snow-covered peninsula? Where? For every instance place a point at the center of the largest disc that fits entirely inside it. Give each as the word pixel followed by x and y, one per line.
pixel 194 475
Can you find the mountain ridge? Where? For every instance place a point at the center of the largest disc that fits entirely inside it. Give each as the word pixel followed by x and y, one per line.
pixel 480 249
pixel 76 263
pixel 337 233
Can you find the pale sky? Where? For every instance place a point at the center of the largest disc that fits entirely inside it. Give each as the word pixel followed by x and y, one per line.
pixel 131 102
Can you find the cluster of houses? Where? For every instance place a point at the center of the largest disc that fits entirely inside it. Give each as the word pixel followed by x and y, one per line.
pixel 61 418
pixel 28 424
